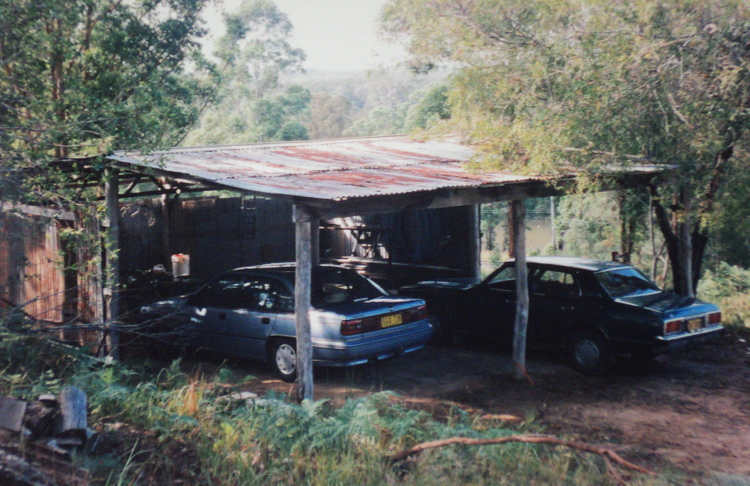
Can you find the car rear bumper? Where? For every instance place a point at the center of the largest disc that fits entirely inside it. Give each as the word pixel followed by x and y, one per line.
pixel 662 344
pixel 679 340
pixel 372 348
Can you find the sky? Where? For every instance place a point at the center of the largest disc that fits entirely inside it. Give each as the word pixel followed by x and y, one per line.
pixel 336 35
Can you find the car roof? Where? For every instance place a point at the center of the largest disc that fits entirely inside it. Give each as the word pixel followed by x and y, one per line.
pixel 284 268
pixel 575 262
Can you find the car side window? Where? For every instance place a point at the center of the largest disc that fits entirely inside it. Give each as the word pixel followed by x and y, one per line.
pixel 284 300
pixel 220 292
pixel 505 279
pixel 258 294
pixel 554 283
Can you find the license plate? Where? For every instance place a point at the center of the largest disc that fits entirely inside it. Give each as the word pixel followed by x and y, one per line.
pixel 694 324
pixel 390 321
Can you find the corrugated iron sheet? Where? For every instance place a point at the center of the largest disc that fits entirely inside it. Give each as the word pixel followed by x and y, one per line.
pixel 328 170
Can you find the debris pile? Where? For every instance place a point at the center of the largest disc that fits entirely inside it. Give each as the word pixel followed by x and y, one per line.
pixel 38 438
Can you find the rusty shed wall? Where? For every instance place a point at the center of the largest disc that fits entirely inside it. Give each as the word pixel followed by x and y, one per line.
pixel 31 271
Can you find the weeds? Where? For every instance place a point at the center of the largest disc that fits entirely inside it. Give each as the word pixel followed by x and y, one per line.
pixel 167 427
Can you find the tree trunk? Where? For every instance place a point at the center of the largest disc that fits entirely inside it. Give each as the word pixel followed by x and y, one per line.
pixel 671 240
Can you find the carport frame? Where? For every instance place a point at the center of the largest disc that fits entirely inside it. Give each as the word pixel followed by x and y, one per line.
pixel 308 211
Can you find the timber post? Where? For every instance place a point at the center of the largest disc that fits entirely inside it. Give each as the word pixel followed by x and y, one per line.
pixel 112 247
pixel 303 220
pixel 522 289
pixel 475 241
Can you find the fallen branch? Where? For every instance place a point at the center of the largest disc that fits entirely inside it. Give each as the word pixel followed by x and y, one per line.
pixel 529 439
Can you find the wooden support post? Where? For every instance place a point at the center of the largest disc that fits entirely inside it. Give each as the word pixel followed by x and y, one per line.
pixel 475 241
pixel 522 289
pixel 315 241
pixel 303 228
pixel 113 265
pixel 166 218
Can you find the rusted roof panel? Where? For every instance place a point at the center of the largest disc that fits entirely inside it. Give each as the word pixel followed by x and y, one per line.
pixel 327 170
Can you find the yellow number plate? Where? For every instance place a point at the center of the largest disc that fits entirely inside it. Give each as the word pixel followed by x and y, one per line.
pixel 694 324
pixel 390 321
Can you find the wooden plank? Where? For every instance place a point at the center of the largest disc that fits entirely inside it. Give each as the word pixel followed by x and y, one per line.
pixel 475 242
pixel 12 411
pixel 303 284
pixel 522 290
pixel 74 413
pixel 113 265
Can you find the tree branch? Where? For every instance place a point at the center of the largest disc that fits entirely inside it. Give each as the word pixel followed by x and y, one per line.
pixel 608 454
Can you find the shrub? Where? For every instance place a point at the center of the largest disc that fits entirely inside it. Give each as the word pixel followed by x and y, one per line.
pixel 729 287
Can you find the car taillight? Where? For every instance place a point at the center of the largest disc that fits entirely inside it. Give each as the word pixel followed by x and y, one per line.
pixel 353 327
pixel 415 314
pixel 674 326
pixel 714 318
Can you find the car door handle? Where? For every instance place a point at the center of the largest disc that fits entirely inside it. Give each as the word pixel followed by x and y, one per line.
pixel 265 320
pixel 222 315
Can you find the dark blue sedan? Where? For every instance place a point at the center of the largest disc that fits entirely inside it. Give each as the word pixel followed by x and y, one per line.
pixel 593 310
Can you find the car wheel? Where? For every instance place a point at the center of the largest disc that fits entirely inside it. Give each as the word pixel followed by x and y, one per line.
pixel 283 359
pixel 589 353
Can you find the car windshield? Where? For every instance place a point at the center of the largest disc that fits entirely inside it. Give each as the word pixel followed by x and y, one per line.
pixel 622 282
pixel 332 286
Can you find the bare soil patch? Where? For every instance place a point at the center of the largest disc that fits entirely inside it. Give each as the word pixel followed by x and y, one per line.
pixel 687 411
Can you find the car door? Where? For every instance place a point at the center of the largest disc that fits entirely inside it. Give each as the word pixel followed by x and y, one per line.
pixel 495 301
pixel 235 313
pixel 554 305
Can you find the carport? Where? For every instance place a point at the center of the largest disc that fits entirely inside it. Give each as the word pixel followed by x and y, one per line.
pixel 349 177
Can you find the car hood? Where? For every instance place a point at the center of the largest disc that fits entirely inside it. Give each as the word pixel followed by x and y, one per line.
pixel 669 304
pixel 446 283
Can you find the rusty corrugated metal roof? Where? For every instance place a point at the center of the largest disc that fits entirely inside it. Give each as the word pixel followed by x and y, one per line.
pixel 334 170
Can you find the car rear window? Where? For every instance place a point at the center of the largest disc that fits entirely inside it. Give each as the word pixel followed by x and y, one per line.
pixel 332 286
pixel 622 282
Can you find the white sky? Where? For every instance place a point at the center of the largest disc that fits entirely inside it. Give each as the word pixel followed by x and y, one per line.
pixel 336 35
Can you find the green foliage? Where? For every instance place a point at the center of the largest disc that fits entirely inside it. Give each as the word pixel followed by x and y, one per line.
pixel 729 287
pixel 546 85
pixel 431 108
pixel 272 441
pixel 255 53
pixel 84 78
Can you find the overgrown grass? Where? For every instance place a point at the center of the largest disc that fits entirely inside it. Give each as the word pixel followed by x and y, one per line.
pixel 729 287
pixel 158 428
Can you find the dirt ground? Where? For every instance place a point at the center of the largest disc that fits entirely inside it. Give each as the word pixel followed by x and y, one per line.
pixel 687 411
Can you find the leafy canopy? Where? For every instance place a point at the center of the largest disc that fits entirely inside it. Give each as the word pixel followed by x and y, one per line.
pixel 83 78
pixel 586 81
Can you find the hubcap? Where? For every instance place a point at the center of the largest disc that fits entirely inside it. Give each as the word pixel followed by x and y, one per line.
pixel 286 359
pixel 587 352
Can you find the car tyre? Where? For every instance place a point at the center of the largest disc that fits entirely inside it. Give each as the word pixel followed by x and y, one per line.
pixel 589 353
pixel 283 359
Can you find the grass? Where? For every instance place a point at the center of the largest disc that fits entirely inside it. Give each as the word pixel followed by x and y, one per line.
pixel 165 426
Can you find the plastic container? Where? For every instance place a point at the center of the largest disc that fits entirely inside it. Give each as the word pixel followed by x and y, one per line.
pixel 181 265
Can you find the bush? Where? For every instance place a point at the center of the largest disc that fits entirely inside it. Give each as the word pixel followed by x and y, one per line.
pixel 729 287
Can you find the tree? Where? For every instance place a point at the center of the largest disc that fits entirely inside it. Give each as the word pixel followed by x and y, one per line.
pixel 283 117
pixel 546 84
pixel 85 78
pixel 330 115
pixel 256 49
pixel 254 53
